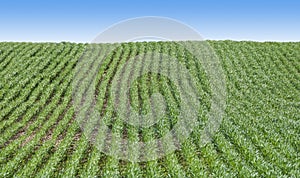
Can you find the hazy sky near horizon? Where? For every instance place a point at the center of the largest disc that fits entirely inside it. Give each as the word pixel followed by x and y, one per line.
pixel 82 21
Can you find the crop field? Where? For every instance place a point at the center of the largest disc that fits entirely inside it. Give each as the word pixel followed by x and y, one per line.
pixel 258 136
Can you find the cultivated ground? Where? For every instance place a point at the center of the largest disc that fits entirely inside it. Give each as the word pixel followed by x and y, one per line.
pixel 258 136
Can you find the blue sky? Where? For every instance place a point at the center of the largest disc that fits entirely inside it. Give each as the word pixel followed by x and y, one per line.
pixel 81 21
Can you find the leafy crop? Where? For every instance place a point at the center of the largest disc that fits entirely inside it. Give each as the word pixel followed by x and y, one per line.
pixel 258 137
